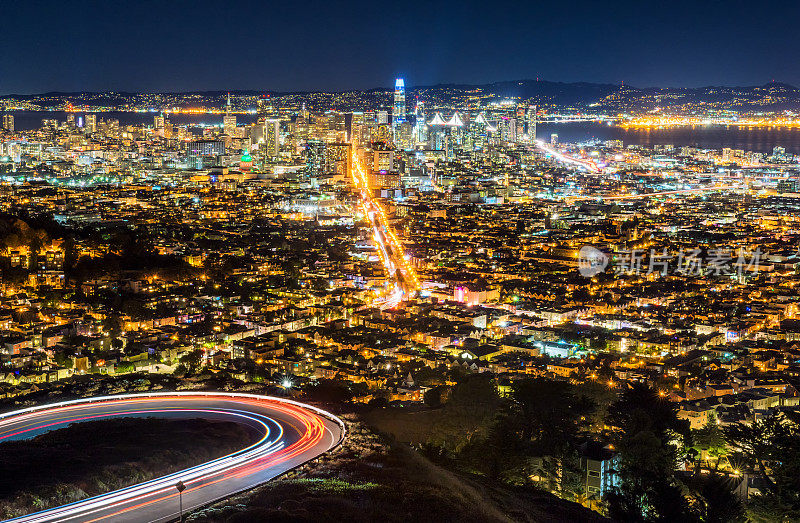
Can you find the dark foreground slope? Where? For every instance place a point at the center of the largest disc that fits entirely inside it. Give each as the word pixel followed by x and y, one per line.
pixel 369 479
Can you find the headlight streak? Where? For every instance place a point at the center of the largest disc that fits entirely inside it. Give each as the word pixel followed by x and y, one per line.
pixel 270 451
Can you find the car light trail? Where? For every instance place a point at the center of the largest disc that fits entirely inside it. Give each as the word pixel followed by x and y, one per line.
pixel 586 164
pixel 291 434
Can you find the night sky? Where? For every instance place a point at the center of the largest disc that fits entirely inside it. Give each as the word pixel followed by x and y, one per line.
pixel 168 45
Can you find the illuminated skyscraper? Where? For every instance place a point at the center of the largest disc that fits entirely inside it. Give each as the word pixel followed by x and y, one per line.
pixel 158 122
pixel 420 125
pixel 508 129
pixel 229 120
pixel 272 144
pixel 337 158
pixel 531 127
pixel 315 158
pixel 8 122
pixel 383 159
pixel 526 123
pixel 90 124
pixel 399 106
pixel 522 123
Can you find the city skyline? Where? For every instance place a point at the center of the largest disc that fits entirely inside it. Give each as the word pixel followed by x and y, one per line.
pixel 443 261
pixel 405 263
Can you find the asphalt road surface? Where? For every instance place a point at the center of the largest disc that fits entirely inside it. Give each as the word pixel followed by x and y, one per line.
pixel 292 433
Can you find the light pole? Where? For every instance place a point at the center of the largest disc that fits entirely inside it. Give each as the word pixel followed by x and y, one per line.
pixel 180 487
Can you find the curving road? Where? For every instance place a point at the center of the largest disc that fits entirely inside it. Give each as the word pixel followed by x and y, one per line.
pixel 292 433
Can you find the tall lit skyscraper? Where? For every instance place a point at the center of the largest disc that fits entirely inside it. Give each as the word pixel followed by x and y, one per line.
pixel 90 123
pixel 315 158
pixel 526 123
pixel 522 130
pixel 272 134
pixel 508 129
pixel 531 118
pixel 8 122
pixel 229 120
pixel 399 106
pixel 420 125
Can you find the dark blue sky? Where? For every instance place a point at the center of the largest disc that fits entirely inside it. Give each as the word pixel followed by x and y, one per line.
pixel 168 45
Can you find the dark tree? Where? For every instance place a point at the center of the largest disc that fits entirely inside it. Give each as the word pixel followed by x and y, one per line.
pixel 647 429
pixel 771 447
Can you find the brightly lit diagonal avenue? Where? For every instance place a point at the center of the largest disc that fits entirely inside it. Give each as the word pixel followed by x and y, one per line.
pixel 403 277
pixel 291 434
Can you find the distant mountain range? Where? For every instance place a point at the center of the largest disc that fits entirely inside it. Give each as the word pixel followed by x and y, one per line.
pixel 581 96
pixel 771 97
